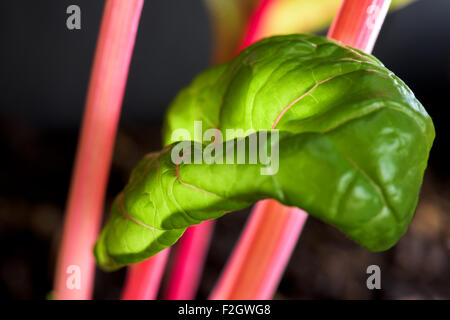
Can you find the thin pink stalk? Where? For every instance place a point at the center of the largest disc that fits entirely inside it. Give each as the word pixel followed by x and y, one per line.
pixel 189 262
pixel 259 259
pixel 262 252
pixel 104 99
pixel 143 279
pixel 254 29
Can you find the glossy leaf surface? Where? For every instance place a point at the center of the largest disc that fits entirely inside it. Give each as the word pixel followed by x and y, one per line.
pixel 353 146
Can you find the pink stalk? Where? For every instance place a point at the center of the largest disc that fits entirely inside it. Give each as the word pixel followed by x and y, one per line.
pixel 259 259
pixel 262 253
pixel 115 45
pixel 254 29
pixel 143 279
pixel 358 23
pixel 189 261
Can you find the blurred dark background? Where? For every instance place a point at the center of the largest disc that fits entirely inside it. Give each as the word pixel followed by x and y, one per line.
pixel 44 72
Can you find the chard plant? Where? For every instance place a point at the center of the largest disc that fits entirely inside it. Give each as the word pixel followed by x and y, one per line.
pixel 268 239
pixel 353 146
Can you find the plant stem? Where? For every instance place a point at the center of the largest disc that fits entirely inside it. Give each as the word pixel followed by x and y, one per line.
pixel 254 30
pixel 104 99
pixel 262 252
pixel 259 259
pixel 143 279
pixel 358 23
pixel 189 262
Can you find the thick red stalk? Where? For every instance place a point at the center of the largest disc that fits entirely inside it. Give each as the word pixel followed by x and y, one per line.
pixel 259 259
pixel 143 279
pixel 189 262
pixel 358 23
pixel 262 252
pixel 115 45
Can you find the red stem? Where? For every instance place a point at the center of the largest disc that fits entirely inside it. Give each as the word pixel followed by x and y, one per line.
pixel 261 255
pixel 189 262
pixel 358 23
pixel 253 33
pixel 143 279
pixel 259 259
pixel 104 99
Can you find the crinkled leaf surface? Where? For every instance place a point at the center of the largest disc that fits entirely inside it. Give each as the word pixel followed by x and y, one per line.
pixel 354 144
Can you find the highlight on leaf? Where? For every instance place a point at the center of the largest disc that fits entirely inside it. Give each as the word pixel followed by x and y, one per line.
pixel 352 149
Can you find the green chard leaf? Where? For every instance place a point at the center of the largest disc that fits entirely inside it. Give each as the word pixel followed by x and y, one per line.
pixel 352 146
